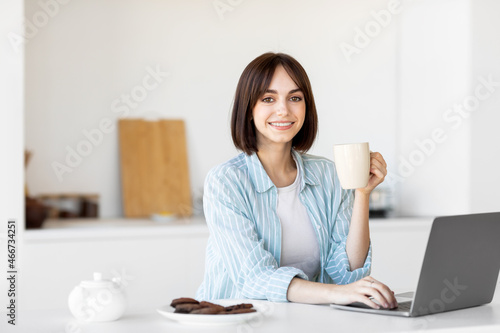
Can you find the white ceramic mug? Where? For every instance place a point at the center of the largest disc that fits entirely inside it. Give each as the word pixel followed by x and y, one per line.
pixel 352 161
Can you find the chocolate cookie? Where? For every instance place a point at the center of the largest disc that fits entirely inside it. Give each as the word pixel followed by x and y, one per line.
pixel 186 307
pixel 206 310
pixel 183 300
pixel 241 310
pixel 190 305
pixel 239 306
pixel 212 305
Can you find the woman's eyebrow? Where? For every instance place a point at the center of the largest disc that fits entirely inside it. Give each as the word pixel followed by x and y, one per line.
pixel 271 91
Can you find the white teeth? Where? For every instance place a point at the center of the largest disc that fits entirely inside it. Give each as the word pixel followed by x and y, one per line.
pixel 281 124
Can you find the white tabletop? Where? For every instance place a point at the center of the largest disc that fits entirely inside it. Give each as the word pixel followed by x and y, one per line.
pixel 278 317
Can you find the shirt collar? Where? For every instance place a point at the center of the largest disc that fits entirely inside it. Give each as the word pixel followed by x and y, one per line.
pixel 261 180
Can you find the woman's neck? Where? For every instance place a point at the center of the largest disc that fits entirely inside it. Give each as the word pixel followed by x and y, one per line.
pixel 279 164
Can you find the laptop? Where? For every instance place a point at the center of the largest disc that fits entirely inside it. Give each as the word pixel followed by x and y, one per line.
pixel 460 268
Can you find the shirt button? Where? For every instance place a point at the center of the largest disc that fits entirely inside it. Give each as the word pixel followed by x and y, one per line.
pixel 318 227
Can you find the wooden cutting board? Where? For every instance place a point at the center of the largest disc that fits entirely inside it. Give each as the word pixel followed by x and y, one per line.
pixel 154 167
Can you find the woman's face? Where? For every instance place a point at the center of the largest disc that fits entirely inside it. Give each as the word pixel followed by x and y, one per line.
pixel 279 113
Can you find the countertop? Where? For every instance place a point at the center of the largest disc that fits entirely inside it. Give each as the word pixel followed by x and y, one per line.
pixel 70 229
pixel 275 318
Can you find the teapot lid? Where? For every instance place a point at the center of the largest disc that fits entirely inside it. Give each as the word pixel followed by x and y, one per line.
pixel 97 282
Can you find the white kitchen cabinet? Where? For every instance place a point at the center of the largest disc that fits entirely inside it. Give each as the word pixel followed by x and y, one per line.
pixel 164 261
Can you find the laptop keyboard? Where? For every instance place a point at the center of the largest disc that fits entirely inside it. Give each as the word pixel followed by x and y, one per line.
pixel 403 307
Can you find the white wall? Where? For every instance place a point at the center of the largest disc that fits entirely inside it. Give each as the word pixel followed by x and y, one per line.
pixel 11 137
pixel 485 119
pixel 11 126
pixel 444 62
pixel 92 52
pixel 400 85
pixel 434 74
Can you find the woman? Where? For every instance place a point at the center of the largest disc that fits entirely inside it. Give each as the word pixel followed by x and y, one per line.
pixel 281 227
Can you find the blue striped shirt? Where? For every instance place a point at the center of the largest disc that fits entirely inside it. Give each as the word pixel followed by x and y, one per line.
pixel 244 247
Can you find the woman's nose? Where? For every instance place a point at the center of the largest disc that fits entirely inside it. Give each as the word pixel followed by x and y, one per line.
pixel 281 109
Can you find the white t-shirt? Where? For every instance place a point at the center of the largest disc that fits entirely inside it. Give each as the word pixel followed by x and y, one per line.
pixel 299 247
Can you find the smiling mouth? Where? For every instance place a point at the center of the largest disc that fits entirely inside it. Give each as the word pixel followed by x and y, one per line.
pixel 282 124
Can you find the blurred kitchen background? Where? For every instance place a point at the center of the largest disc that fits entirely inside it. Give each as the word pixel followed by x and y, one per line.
pixel 387 72
pixel 418 79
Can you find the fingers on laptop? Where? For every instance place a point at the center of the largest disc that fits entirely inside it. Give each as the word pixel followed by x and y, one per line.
pixel 380 292
pixel 369 302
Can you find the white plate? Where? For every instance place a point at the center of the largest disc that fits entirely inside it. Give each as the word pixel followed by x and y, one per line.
pixel 206 319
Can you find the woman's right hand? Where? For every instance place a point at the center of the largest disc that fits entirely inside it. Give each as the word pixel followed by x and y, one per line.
pixel 361 291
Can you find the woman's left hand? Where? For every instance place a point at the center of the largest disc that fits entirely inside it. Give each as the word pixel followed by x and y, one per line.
pixel 378 171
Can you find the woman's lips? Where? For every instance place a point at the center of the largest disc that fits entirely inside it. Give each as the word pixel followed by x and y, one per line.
pixel 281 126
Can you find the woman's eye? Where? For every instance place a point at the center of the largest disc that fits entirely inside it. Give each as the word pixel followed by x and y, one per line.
pixel 268 100
pixel 295 99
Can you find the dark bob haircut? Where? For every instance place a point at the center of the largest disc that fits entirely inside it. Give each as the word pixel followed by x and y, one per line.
pixel 254 81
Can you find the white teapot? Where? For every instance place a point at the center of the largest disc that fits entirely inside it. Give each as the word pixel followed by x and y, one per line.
pixel 98 300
